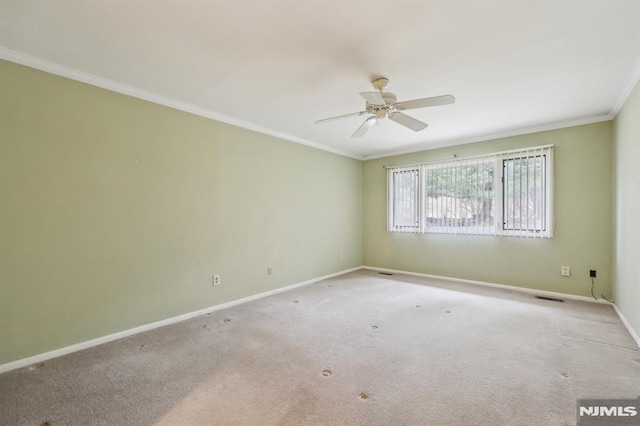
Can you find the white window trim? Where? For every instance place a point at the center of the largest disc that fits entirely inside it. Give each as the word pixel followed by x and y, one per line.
pixel 391 196
pixel 498 158
pixel 548 216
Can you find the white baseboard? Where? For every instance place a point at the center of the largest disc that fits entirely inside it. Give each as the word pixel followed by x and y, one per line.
pixel 631 331
pixel 487 284
pixel 25 362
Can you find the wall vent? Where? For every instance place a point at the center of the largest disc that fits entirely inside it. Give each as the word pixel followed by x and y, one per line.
pixel 552 299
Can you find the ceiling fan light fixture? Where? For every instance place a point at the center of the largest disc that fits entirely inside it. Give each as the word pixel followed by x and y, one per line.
pixel 383 104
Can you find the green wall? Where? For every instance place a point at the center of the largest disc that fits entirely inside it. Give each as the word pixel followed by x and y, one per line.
pixel 626 264
pixel 116 212
pixel 582 236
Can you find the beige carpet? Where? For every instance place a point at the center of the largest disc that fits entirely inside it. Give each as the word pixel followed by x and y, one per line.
pixel 360 349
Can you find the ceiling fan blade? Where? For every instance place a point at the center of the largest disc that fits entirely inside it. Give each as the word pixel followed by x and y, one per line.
pixel 406 121
pixel 425 102
pixel 374 98
pixel 364 127
pixel 353 114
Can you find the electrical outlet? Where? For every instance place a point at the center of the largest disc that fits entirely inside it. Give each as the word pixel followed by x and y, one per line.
pixel 565 271
pixel 269 270
pixel 592 273
pixel 216 280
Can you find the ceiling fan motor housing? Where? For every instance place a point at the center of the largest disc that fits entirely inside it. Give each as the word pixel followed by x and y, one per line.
pixel 381 110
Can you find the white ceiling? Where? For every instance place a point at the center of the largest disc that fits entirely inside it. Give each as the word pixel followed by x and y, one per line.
pixel 277 66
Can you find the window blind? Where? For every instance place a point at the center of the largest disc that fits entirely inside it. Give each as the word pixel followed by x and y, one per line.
pixel 506 193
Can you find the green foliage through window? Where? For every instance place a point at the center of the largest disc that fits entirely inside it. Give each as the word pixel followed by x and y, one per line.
pixel 460 195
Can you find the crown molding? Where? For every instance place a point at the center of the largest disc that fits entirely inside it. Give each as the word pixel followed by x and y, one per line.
pixel 633 79
pixel 94 80
pixel 492 136
pixel 63 71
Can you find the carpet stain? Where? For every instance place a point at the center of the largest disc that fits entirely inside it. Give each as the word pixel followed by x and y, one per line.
pixel 34 366
pixel 295 301
pixel 363 396
pixel 448 312
pixel 375 327
pixel 326 373
pixel 141 346
pixel 418 306
pixel 45 424
pixel 226 320
pixel 564 374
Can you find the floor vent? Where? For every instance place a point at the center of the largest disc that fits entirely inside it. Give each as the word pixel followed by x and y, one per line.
pixel 385 273
pixel 552 299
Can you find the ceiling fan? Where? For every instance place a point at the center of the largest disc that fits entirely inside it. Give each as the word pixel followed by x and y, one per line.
pixel 385 104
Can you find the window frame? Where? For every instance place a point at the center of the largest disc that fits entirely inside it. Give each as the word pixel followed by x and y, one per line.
pixel 465 162
pixel 499 228
pixel 548 199
pixel 391 205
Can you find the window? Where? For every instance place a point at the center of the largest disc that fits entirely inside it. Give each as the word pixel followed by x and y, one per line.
pixel 507 193
pixel 405 201
pixel 460 195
